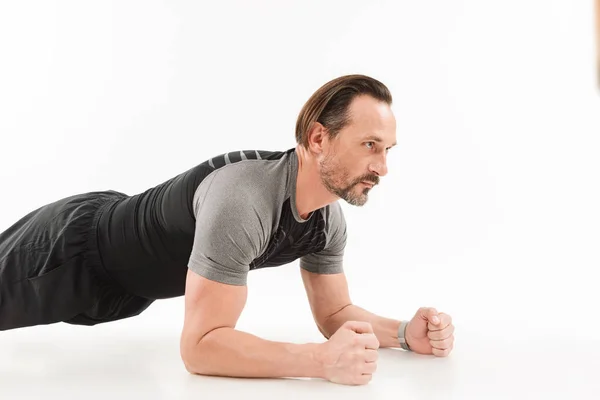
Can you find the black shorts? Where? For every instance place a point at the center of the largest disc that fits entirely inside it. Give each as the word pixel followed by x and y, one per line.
pixel 51 271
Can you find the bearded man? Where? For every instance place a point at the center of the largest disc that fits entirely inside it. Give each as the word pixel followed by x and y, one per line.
pixel 102 256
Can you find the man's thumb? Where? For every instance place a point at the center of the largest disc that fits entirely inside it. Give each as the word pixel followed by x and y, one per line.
pixel 429 314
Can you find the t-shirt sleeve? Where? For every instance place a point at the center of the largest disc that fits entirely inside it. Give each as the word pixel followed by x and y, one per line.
pixel 231 229
pixel 330 259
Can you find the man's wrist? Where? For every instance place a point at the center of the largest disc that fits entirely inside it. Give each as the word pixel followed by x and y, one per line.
pixel 317 362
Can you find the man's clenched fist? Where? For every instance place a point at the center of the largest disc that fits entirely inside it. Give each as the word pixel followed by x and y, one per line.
pixel 430 332
pixel 350 355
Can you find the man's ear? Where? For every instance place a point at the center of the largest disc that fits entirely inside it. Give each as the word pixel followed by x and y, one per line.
pixel 317 137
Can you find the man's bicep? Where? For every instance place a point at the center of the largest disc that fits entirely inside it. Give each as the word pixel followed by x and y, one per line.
pixel 209 305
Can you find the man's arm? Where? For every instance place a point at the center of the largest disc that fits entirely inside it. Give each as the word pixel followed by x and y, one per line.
pixel 331 306
pixel 230 232
pixel 210 344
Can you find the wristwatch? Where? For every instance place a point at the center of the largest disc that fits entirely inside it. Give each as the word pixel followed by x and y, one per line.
pixel 402 335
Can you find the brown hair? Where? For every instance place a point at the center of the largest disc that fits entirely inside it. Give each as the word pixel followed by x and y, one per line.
pixel 329 104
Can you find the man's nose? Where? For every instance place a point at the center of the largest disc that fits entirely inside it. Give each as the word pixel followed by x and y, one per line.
pixel 379 167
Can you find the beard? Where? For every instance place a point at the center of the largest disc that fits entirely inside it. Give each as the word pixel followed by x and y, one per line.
pixel 336 179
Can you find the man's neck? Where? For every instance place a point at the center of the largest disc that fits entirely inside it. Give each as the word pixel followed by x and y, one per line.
pixel 310 192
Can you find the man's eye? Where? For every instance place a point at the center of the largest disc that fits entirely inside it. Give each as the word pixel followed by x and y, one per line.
pixel 369 143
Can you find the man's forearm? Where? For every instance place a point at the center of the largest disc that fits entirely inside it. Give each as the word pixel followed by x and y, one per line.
pixel 233 353
pixel 385 329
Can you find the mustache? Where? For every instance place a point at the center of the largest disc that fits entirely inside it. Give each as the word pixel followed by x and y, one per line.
pixel 374 179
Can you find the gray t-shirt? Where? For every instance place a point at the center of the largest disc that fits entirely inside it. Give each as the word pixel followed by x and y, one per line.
pixel 246 218
pixel 231 214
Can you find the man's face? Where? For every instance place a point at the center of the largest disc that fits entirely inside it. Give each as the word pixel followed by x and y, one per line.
pixel 353 162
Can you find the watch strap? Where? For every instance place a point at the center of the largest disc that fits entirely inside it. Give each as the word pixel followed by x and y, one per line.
pixel 402 335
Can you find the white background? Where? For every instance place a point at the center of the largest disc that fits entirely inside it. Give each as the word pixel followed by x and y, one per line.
pixel 489 211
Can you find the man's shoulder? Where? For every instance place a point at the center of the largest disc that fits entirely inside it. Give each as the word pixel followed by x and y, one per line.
pixel 259 182
pixel 234 157
pixel 252 177
pixel 250 167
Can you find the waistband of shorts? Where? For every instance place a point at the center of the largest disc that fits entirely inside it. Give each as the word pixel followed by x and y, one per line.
pixel 102 201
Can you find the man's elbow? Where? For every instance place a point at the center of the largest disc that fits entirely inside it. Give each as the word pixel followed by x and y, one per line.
pixel 198 361
pixel 326 326
pixel 323 331
pixel 188 366
pixel 194 355
pixel 328 323
pixel 189 356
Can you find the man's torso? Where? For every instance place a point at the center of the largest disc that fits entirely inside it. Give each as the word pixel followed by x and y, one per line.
pixel 233 213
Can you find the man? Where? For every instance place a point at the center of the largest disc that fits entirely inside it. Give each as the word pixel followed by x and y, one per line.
pixel 103 256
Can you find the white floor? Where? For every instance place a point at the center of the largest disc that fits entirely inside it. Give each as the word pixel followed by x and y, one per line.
pixel 139 359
